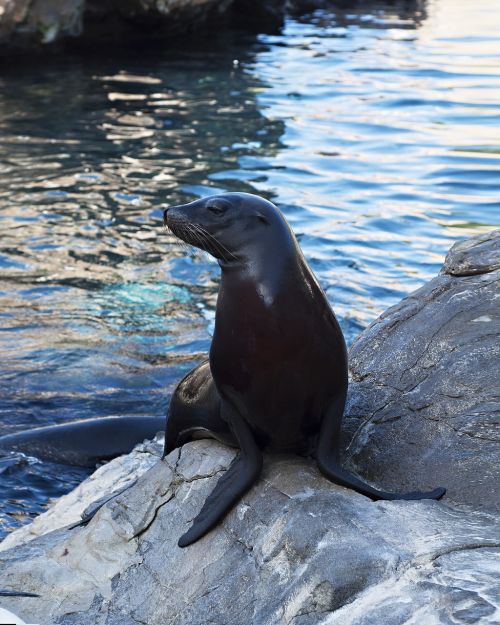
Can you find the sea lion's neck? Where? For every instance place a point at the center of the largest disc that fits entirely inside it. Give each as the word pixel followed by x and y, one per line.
pixel 266 268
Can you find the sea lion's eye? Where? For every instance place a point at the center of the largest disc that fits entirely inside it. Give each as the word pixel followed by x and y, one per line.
pixel 217 210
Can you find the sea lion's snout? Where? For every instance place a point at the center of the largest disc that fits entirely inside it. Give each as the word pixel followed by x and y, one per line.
pixel 168 214
pixel 172 214
pixel 178 223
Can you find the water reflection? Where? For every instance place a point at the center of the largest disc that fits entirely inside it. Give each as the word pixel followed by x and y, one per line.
pixel 102 312
pixel 374 128
pixel 85 177
pixel 391 142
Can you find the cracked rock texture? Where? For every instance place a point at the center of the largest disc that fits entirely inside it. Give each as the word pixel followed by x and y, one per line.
pixel 424 400
pixel 111 477
pixel 298 550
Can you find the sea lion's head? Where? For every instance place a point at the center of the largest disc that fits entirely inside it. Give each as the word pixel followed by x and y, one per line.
pixel 232 227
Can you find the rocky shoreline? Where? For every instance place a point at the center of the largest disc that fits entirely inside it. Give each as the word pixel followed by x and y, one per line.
pixel 28 24
pixel 298 549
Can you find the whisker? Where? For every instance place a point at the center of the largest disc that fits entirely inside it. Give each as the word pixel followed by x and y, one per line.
pixel 198 238
pixel 197 249
pixel 212 246
pixel 222 247
pixel 178 233
pixel 207 244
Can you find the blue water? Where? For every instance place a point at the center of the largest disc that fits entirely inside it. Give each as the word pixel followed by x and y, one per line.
pixel 376 131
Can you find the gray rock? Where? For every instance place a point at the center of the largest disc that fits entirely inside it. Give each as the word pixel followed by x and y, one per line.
pixel 298 549
pixel 423 406
pixel 106 480
pixel 480 254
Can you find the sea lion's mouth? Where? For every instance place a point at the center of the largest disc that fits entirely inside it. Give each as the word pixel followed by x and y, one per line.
pixel 179 227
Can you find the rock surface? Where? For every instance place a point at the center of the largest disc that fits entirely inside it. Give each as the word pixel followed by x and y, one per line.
pixel 424 400
pixel 42 21
pixel 298 549
pixel 28 22
pixel 111 477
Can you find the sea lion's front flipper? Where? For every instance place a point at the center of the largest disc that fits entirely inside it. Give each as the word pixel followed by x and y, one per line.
pixel 242 473
pixel 327 457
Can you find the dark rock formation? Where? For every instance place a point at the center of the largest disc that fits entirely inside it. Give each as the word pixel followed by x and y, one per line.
pixel 33 23
pixel 424 404
pixel 149 20
pixel 24 23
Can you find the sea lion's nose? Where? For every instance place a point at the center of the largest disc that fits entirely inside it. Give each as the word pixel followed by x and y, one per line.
pixel 172 213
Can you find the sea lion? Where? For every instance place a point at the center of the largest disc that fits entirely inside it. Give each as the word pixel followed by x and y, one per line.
pixel 276 379
pixel 85 442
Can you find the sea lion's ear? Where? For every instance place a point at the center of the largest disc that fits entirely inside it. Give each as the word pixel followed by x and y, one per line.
pixel 262 218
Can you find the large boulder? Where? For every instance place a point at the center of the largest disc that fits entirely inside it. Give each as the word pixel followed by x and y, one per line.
pixel 298 549
pixel 423 406
pixel 28 23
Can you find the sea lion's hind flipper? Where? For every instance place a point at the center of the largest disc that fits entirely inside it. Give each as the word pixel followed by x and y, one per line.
pixel 335 473
pixel 242 473
pixel 327 457
pixel 91 510
pixel 17 593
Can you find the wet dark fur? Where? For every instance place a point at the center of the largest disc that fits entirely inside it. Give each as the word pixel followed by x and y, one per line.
pixel 276 378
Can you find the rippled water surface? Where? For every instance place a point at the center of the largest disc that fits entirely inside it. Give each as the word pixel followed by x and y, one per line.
pixel 377 133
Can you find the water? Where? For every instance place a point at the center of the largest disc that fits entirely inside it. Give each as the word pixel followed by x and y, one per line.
pixel 376 132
